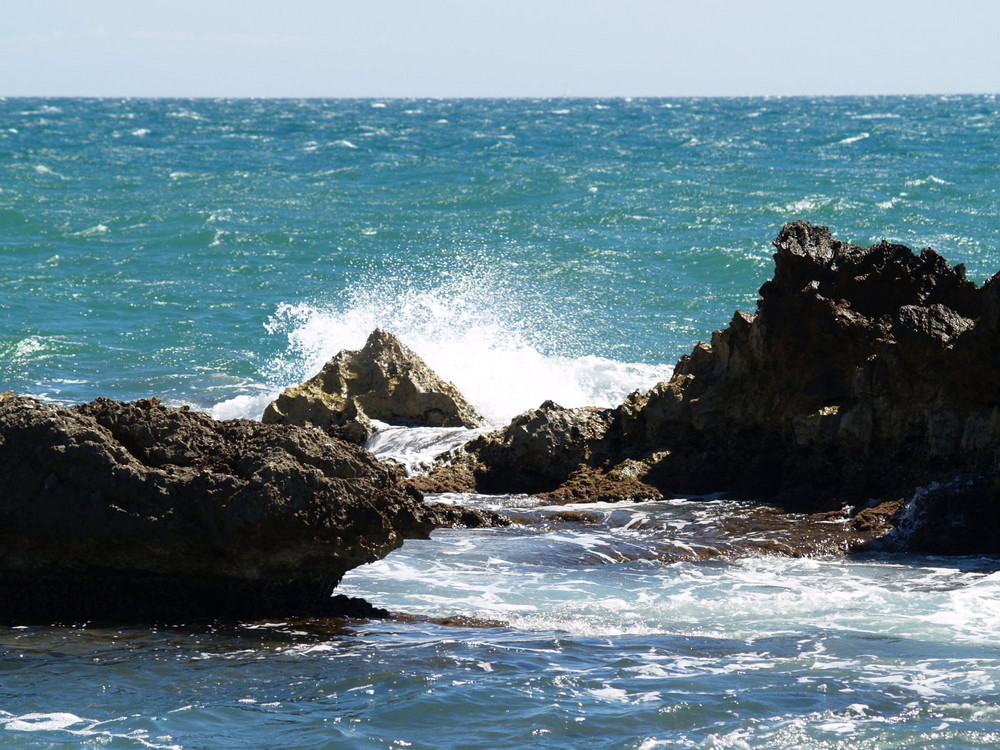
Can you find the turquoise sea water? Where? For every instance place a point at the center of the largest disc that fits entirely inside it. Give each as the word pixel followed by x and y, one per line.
pixel 212 252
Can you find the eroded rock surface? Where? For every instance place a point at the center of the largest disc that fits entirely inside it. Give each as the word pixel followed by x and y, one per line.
pixel 864 373
pixel 114 511
pixel 386 381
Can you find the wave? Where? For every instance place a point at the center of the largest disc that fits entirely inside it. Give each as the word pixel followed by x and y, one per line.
pixel 854 139
pixel 505 350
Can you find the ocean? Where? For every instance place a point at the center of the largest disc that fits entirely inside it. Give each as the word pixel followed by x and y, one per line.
pixel 213 252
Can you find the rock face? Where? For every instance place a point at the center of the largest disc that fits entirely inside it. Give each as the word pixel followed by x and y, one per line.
pixel 386 381
pixel 864 373
pixel 114 511
pixel 538 450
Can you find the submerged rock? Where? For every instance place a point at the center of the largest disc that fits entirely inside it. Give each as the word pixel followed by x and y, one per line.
pixel 385 381
pixel 136 511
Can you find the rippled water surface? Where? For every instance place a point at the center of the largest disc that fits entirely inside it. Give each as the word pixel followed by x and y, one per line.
pixel 212 252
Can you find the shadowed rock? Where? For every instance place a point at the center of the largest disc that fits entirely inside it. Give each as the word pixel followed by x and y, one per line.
pixel 385 381
pixel 136 511
pixel 864 373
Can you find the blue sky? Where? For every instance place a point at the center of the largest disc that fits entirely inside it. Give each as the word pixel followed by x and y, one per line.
pixel 452 48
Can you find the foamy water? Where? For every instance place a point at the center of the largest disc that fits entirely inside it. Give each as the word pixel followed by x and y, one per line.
pixel 214 252
pixel 473 332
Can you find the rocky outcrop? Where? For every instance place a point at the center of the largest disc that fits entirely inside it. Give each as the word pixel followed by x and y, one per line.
pixel 385 381
pixel 549 451
pixel 113 511
pixel 538 450
pixel 864 373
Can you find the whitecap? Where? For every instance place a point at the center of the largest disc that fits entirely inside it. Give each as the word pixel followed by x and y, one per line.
pixel 929 180
pixel 41 722
pixel 26 349
pixel 854 139
pixel 345 143
pixel 487 353
pixel 876 116
pixel 140 132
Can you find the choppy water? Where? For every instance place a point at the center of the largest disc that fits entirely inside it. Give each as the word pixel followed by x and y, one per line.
pixel 213 252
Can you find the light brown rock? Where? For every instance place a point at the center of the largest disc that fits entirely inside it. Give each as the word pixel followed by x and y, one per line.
pixel 385 381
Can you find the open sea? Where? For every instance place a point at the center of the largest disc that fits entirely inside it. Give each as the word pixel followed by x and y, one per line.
pixel 213 252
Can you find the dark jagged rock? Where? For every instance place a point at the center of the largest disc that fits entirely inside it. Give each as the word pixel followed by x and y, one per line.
pixel 864 373
pixel 385 381
pixel 538 450
pixel 958 517
pixel 136 511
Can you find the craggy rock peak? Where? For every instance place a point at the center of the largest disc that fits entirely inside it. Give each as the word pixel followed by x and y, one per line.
pixel 136 511
pixel 386 381
pixel 864 373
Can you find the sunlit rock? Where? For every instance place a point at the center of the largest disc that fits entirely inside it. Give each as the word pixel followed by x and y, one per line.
pixel 385 381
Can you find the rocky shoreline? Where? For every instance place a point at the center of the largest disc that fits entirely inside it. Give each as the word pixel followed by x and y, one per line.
pixel 138 511
pixel 867 376
pixel 861 400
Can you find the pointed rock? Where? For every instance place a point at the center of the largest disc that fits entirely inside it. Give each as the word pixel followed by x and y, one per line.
pixel 385 381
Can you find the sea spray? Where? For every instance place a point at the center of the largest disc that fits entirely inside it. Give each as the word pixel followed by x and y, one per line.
pixel 505 350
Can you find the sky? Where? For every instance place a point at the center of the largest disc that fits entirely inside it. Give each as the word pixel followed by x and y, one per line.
pixel 497 48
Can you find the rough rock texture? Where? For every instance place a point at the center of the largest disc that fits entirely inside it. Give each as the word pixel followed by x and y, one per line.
pixel 538 450
pixel 548 451
pixel 117 511
pixel 587 485
pixel 958 517
pixel 386 381
pixel 865 373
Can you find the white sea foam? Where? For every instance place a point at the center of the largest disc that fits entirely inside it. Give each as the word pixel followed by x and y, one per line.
pixel 854 138
pixel 473 330
pixel 37 722
pixel 417 447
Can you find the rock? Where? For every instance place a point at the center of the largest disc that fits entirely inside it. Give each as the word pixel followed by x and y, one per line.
pixel 588 485
pixel 455 473
pixel 958 517
pixel 864 373
pixel 134 511
pixel 538 450
pixel 385 381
